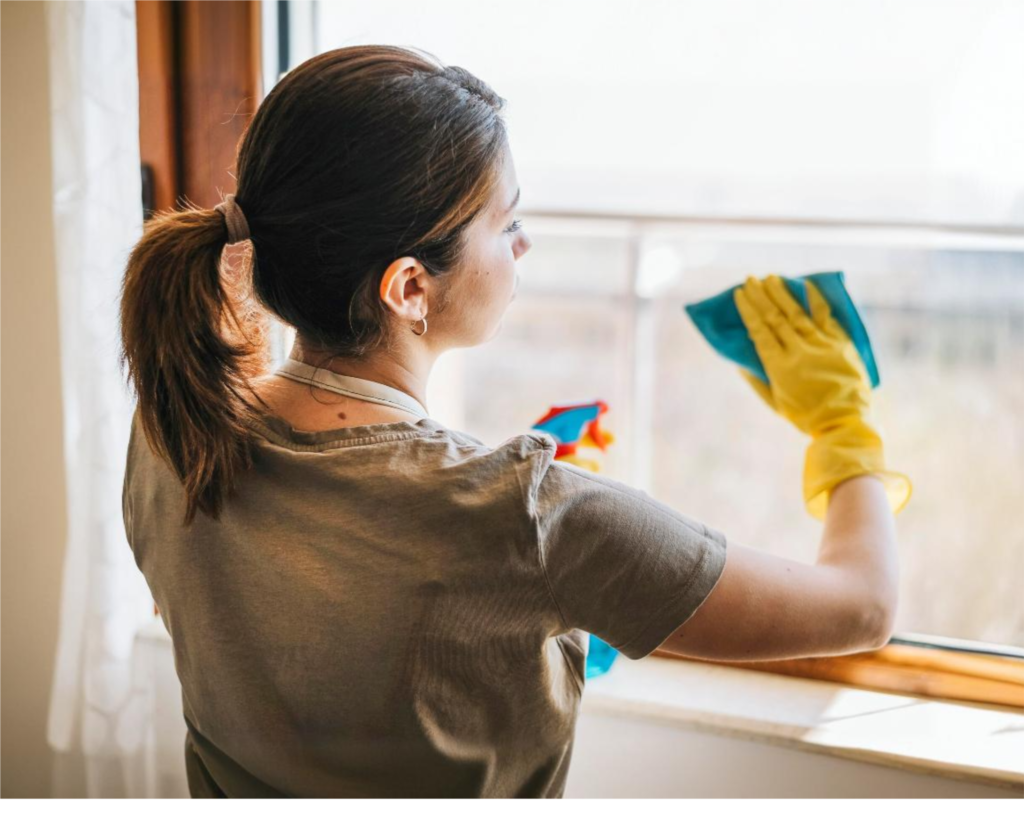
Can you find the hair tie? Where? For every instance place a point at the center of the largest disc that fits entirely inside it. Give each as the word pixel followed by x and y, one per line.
pixel 238 227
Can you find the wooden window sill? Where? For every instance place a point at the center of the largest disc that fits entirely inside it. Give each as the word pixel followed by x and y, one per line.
pixel 971 742
pixel 921 665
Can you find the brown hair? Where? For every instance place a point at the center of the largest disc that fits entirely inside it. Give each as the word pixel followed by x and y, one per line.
pixel 357 157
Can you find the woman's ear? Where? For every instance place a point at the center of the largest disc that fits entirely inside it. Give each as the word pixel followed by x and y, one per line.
pixel 401 288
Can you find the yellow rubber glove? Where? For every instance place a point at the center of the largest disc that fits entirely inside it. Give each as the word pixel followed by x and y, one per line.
pixel 819 384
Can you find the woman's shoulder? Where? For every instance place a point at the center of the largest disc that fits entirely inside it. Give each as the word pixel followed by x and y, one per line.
pixel 521 460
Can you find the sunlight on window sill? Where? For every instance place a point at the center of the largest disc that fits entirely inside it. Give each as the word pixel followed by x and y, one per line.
pixel 975 743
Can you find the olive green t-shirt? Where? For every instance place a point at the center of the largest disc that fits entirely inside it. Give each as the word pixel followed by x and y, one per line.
pixel 399 610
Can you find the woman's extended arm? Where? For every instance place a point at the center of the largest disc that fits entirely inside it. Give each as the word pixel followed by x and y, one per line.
pixel 772 608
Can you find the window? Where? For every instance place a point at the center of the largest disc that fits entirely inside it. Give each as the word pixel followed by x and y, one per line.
pixel 665 153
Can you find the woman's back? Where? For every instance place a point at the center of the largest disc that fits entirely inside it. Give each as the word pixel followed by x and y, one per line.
pixel 396 609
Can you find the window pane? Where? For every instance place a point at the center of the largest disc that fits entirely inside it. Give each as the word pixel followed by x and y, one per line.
pixel 733 113
pixel 874 110
pixel 947 327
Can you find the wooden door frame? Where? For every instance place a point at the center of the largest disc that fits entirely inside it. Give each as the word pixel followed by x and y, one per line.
pixel 200 82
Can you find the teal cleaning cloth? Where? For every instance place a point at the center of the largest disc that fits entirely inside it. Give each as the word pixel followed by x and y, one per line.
pixel 719 322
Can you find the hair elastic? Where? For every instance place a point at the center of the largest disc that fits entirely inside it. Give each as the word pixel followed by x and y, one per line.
pixel 238 227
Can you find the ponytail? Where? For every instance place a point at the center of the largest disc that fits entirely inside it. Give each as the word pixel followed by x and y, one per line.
pixel 191 342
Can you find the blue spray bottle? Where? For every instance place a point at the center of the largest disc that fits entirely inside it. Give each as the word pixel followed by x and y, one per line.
pixel 573 426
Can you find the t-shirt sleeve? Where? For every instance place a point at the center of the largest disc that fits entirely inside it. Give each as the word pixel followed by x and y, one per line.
pixel 617 562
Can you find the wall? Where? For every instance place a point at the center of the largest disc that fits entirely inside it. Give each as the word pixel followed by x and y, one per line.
pixel 626 756
pixel 32 478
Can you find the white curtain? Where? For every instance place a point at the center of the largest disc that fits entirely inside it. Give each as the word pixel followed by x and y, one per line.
pixel 109 723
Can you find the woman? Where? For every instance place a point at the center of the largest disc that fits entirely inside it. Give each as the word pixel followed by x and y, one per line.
pixel 362 601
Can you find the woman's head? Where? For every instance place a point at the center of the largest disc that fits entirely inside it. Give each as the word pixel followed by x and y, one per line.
pixel 375 183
